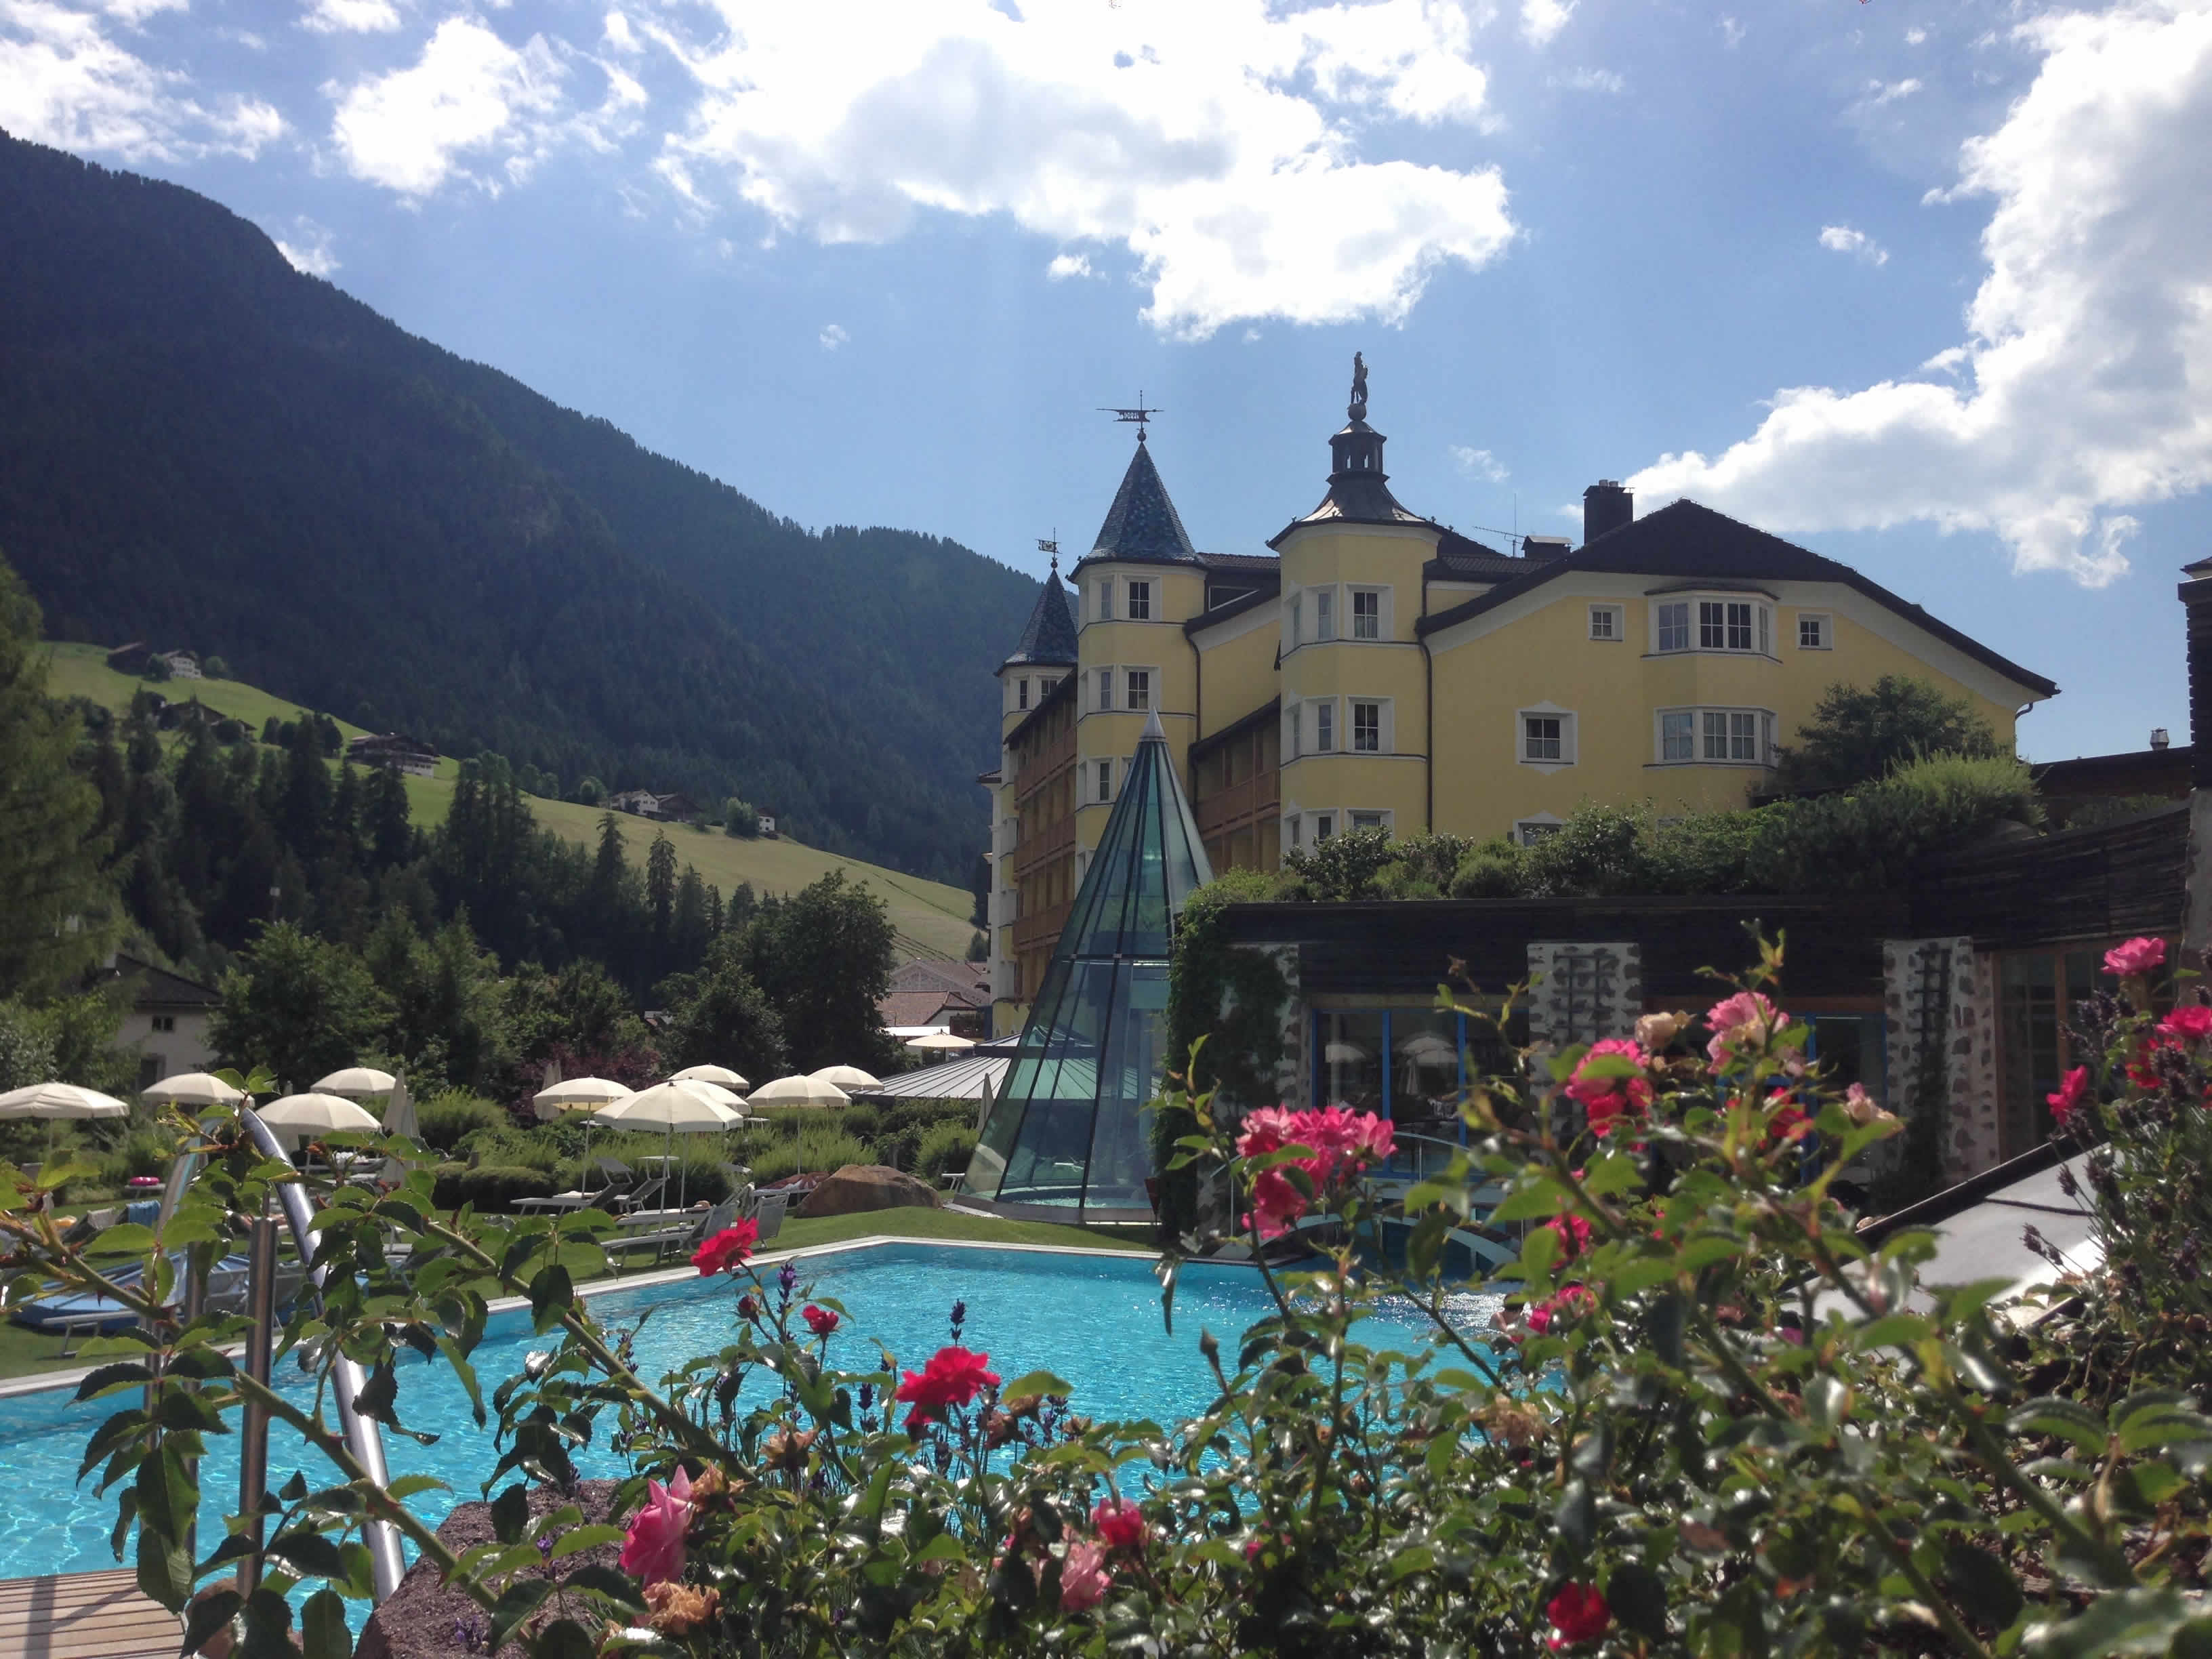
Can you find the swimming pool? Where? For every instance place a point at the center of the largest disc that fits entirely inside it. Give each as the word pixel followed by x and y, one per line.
pixel 1093 1319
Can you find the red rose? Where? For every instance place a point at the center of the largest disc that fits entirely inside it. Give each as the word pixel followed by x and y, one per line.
pixel 727 1249
pixel 953 1376
pixel 1578 1613
pixel 1120 1523
pixel 1570 1303
pixel 2190 1021
pixel 820 1321
pixel 2067 1100
pixel 1574 1235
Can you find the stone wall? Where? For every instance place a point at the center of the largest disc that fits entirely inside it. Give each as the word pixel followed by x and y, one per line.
pixel 1943 983
pixel 1582 992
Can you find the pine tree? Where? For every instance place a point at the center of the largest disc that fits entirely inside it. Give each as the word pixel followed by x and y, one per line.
pixel 58 907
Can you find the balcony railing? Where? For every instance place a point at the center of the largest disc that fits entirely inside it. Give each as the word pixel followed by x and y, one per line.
pixel 1237 804
pixel 1054 841
pixel 1042 928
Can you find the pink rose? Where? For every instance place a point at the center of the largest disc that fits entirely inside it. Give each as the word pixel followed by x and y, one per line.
pixel 1340 1142
pixel 1276 1204
pixel 1744 1020
pixel 2137 956
pixel 1083 1576
pixel 652 1552
pixel 1605 1099
pixel 1574 1235
pixel 2192 1022
pixel 2067 1099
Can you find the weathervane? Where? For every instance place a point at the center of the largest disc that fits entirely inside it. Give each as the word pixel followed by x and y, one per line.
pixel 1051 544
pixel 1139 415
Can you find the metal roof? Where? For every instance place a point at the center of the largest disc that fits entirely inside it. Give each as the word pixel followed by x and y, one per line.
pixel 956 1079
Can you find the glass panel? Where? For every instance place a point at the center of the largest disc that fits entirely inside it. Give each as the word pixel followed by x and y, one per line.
pixel 1425 1071
pixel 2027 1006
pixel 1350 1057
pixel 1849 1048
pixel 1675 737
pixel 1674 626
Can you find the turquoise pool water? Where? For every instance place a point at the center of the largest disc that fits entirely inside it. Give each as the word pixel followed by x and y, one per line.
pixel 1093 1320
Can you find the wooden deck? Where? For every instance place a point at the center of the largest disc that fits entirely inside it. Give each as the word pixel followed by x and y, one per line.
pixel 84 1615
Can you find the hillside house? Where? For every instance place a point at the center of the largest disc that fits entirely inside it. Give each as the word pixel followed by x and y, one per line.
pixel 395 751
pixel 168 1019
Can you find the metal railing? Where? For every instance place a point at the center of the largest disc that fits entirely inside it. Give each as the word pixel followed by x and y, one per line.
pixel 362 1438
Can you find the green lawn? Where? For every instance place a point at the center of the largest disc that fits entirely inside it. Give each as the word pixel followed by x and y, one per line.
pixel 931 918
pixel 24 1353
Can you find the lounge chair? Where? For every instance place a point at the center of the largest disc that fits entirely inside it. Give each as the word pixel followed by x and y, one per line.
pixel 767 1212
pixel 690 1233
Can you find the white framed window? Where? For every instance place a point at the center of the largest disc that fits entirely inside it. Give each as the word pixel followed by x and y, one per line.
pixel 1137 688
pixel 1105 690
pixel 1369 820
pixel 1544 736
pixel 1324 826
pixel 1102 599
pixel 1815 631
pixel 1366 727
pixel 1324 613
pixel 1746 626
pixel 1717 737
pixel 1607 623
pixel 1366 613
pixel 1297 620
pixel 1138 602
pixel 1678 734
pixel 1102 773
pixel 1021 693
pixel 1529 831
pixel 1045 685
pixel 1292 719
pixel 1674 625
pixel 165 1024
pixel 1723 625
pixel 1325 726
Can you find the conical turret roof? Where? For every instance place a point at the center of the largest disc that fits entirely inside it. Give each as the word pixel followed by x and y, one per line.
pixel 1067 1132
pixel 1143 525
pixel 1049 637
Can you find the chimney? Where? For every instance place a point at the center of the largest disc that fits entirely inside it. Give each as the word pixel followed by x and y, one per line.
pixel 1606 506
pixel 2158 739
pixel 2196 598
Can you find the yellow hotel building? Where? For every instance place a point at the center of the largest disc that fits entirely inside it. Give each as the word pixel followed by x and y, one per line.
pixel 1377 668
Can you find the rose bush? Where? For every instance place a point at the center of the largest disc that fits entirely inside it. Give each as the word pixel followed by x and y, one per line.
pixel 1697 1413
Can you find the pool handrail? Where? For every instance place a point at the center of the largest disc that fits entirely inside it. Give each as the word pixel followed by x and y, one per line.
pixel 387 1565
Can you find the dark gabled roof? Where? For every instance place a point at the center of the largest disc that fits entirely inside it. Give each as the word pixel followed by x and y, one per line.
pixel 1461 559
pixel 1062 690
pixel 157 987
pixel 1049 637
pixel 1687 541
pixel 1236 607
pixel 1243 563
pixel 1142 526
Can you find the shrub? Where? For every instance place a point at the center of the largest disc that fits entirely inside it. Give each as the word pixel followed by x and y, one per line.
pixel 1491 869
pixel 489 1187
pixel 943 1150
pixel 817 1150
pixel 448 1117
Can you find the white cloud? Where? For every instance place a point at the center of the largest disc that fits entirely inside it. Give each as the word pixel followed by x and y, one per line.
pixel 832 336
pixel 1915 36
pixel 1541 20
pixel 1591 80
pixel 307 245
pixel 1479 464
pixel 617 33
pixel 1731 33
pixel 1841 239
pixel 64 81
pixel 1216 142
pixel 1065 265
pixel 469 93
pixel 1889 92
pixel 2080 385
pixel 350 17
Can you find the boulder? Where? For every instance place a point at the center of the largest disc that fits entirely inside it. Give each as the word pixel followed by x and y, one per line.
pixel 425 1621
pixel 859 1187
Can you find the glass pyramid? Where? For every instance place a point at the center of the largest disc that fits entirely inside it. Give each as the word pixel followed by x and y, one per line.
pixel 1066 1135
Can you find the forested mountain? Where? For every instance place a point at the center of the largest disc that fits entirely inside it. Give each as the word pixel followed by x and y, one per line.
pixel 205 449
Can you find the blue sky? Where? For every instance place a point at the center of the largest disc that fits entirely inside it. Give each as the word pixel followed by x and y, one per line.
pixel 1926 287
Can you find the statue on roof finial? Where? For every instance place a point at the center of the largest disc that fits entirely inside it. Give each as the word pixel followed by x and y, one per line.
pixel 1357 411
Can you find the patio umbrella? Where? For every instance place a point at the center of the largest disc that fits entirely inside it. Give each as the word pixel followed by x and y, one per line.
pixel 798 1091
pixel 358 1083
pixel 192 1089
pixel 673 1107
pixel 310 1114
pixel 400 1119
pixel 940 1040
pixel 576 1094
pixel 847 1078
pixel 721 1074
pixel 56 1101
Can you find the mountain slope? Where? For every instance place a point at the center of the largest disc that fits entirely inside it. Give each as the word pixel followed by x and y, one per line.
pixel 206 449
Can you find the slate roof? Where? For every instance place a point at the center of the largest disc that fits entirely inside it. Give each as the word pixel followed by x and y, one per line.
pixel 1142 526
pixel 157 987
pixel 1236 607
pixel 1261 564
pixel 1461 558
pixel 1690 543
pixel 1048 636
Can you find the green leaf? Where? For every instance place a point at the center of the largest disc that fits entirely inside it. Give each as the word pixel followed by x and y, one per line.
pixel 109 1378
pixel 1036 1385
pixel 516 1603
pixel 165 1569
pixel 564 1638
pixel 124 1238
pixel 268 1625
pixel 2125 1622
pixel 510 1513
pixel 617 1587
pixel 315 1555
pixel 210 1614
pixel 550 1294
pixel 585 1537
pixel 168 1498
pixel 2067 1419
pixel 943 1547
pixel 1614 1172
pixel 1982 1584
pixel 1637 1597
pixel 1539 1200
pixel 322 1633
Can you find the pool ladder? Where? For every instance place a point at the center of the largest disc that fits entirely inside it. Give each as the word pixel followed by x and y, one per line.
pixel 362 1437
